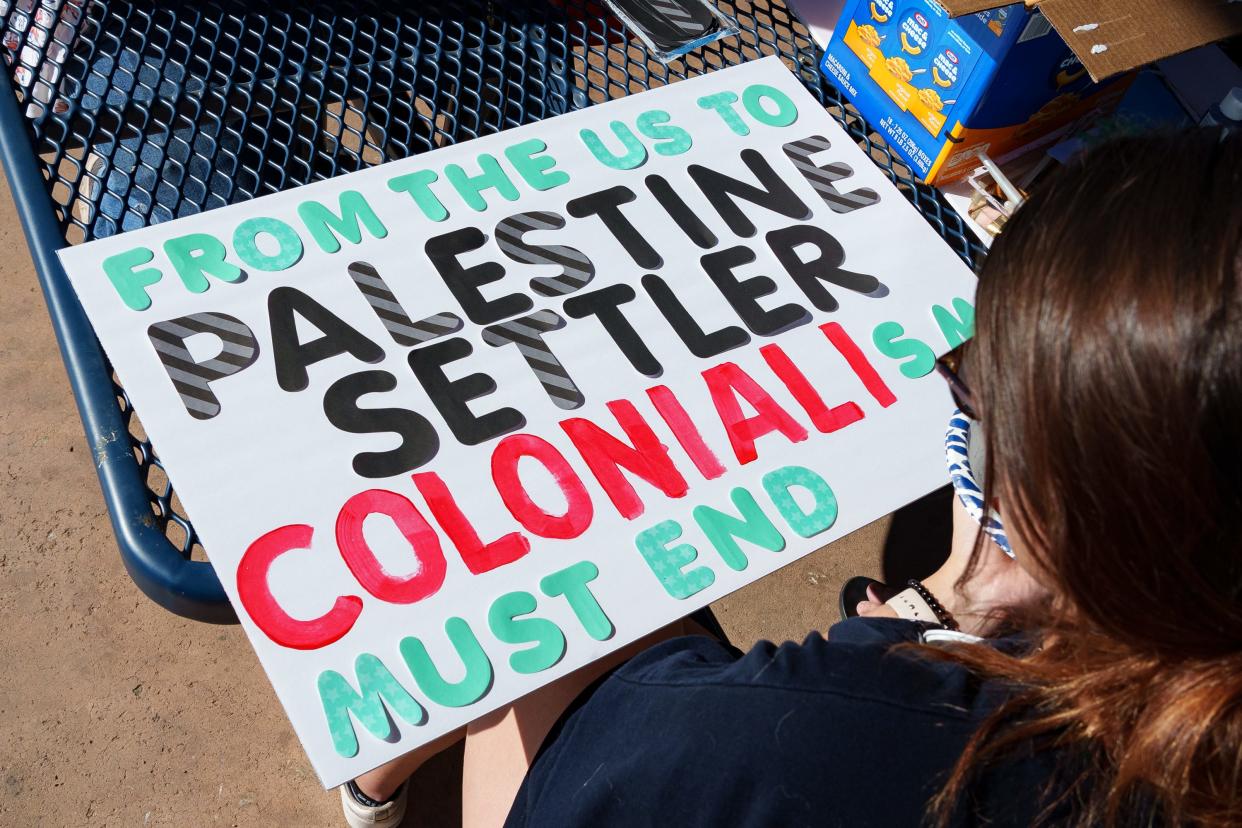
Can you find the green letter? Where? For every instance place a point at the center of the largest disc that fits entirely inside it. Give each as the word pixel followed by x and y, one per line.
pixel 572 583
pixel 418 185
pixel 245 243
pixel 491 176
pixel 675 139
pixel 534 171
pixel 196 254
pixel 723 102
pixel 377 689
pixel 752 98
pixel 131 285
pixel 635 152
pixel 956 329
pixel 806 524
pixel 321 222
pixel 667 563
pixel 548 639
pixel 472 687
pixel 753 526
pixel 888 341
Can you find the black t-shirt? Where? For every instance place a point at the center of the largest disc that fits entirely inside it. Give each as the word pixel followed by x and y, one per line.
pixel 828 732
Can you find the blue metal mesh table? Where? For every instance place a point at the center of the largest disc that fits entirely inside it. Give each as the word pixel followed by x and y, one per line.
pixel 118 115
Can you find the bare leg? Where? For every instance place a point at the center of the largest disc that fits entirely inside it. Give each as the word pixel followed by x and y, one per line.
pixel 965 530
pixel 382 782
pixel 501 746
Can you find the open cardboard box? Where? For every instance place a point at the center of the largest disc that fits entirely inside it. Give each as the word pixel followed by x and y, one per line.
pixel 1113 36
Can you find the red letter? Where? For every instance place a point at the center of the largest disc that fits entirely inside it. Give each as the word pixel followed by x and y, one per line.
pixel 723 381
pixel 685 431
pixel 825 419
pixel 858 363
pixel 578 509
pixel 362 562
pixel 604 454
pixel 478 556
pixel 261 605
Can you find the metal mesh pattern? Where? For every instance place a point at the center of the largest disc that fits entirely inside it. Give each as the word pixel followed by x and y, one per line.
pixel 141 112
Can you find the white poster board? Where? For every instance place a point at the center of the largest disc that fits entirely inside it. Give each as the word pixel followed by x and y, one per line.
pixel 454 426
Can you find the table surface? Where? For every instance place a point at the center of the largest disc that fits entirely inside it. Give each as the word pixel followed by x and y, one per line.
pixel 125 114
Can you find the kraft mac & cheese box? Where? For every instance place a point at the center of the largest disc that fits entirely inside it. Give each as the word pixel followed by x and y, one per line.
pixel 942 89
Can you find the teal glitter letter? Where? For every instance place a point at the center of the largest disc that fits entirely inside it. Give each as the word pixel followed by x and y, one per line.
pixel 777 484
pixel 377 690
pixel 668 562
pixel 245 239
pixel 635 152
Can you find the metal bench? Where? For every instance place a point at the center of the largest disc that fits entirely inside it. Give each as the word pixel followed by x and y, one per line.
pixel 116 115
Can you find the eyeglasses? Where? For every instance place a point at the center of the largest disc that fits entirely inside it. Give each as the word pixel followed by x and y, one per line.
pixel 950 367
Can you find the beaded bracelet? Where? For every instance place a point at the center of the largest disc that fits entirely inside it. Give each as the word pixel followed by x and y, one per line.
pixel 942 615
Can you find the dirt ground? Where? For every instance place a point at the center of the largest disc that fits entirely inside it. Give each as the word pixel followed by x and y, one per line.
pixel 115 712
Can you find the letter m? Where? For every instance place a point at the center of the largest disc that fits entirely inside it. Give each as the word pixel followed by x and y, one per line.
pixel 377 694
pixel 355 214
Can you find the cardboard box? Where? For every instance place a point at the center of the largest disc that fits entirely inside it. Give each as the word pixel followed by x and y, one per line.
pixel 945 81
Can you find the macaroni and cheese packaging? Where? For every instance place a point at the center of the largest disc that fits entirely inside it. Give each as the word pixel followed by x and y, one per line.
pixel 942 89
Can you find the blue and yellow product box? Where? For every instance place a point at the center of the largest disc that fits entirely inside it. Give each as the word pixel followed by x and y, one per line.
pixel 942 89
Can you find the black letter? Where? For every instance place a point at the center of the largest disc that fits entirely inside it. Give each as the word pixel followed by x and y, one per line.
pixel 465 282
pixel 826 266
pixel 293 357
pixel 606 204
pixel 702 345
pixel 742 295
pixel 680 212
pixel 419 442
pixel 604 304
pixel 450 396
pixel 776 195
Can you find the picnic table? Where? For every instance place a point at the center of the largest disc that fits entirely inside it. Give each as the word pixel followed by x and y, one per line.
pixel 117 115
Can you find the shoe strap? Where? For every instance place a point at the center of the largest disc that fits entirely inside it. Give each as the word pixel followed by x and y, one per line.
pixel 909 604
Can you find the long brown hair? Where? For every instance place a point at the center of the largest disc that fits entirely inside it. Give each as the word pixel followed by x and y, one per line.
pixel 1107 365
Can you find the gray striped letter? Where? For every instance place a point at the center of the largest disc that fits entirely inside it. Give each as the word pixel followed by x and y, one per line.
pixel 822 178
pixel 389 310
pixel 239 349
pixel 527 333
pixel 576 269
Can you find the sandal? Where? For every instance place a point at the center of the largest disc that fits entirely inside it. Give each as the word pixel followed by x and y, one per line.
pixel 915 603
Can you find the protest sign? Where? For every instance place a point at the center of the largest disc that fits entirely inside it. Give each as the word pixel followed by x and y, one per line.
pixel 456 425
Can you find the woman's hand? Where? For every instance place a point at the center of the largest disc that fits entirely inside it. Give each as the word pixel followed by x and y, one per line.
pixel 998 582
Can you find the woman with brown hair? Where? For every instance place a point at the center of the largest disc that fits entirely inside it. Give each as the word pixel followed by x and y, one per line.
pixel 1106 373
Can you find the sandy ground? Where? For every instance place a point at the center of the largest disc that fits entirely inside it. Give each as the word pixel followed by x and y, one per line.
pixel 115 712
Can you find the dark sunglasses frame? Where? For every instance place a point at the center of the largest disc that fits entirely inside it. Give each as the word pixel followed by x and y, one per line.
pixel 949 366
